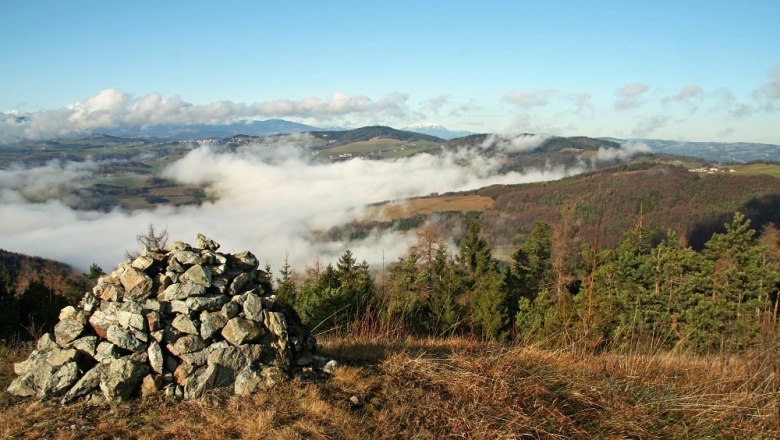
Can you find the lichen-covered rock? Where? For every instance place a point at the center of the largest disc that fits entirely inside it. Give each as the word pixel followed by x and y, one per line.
pixel 211 323
pixel 204 242
pixel 137 284
pixel 122 378
pixel 241 331
pixel 198 275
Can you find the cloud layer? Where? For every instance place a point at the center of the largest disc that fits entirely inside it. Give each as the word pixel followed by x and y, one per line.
pixel 112 108
pixel 268 199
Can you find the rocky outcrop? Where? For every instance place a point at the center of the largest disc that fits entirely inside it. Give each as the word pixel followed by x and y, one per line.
pixel 181 321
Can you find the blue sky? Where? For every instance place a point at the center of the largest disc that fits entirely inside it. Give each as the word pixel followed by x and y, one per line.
pixel 689 70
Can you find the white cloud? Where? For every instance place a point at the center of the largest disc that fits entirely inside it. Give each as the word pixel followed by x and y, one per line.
pixel 535 98
pixel 514 143
pixel 112 108
pixel 267 200
pixel 630 95
pixel 625 152
pixel 42 182
pixel 685 94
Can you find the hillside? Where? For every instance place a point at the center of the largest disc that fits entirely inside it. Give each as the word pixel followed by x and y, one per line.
pixel 608 201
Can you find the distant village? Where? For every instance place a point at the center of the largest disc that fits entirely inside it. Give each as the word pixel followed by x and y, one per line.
pixel 711 170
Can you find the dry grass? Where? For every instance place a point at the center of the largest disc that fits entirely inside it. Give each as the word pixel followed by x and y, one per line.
pixel 445 388
pixel 429 205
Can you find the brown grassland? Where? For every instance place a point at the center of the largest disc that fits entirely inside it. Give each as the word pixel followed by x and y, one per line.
pixel 429 205
pixel 454 388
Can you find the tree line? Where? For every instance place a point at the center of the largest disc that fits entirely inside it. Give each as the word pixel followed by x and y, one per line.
pixel 648 291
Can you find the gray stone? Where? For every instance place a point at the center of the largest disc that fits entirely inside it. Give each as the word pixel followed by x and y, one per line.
pixel 184 324
pixel 181 291
pixel 187 344
pixel 106 352
pixel 142 262
pixel 197 274
pixel 233 358
pixel 204 242
pixel 239 283
pixel 211 323
pixel 46 343
pixel 276 323
pixel 175 268
pixel 137 284
pixel 156 359
pixel 211 302
pixel 162 281
pixel 68 312
pixel 248 382
pixel 55 381
pixel 23 385
pixel 179 306
pixel 178 245
pixel 219 283
pixel 231 309
pixel 59 357
pixel 86 345
pixel 186 258
pixel 131 320
pixel 245 261
pixel 128 339
pixel 158 335
pixel 68 330
pixel 88 383
pixel 253 307
pixel 196 358
pixel 89 303
pixel 122 378
pixel 101 320
pixel 241 331
pixel 200 381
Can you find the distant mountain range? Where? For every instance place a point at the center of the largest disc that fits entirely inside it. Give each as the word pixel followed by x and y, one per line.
pixel 722 152
pixel 214 131
pixel 437 130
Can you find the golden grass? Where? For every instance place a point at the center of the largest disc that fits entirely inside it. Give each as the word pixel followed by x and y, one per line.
pixel 427 388
pixel 429 205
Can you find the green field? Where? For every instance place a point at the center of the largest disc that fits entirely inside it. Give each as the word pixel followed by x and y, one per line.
pixel 755 169
pixel 381 147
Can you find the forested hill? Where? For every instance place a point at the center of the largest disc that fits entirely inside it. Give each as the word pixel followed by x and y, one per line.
pixel 610 201
pixel 25 268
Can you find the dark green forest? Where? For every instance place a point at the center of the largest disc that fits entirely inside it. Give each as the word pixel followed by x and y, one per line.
pixel 648 291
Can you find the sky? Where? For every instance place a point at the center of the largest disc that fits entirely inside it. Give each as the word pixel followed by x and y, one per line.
pixel 686 70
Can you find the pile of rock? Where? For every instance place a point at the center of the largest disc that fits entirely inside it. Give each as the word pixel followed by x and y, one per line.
pixel 180 321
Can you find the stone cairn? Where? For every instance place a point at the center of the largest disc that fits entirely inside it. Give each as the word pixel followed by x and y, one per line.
pixel 180 321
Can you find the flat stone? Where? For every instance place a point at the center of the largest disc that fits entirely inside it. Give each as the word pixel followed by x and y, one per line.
pixel 239 283
pixel 88 383
pixel 156 358
pixel 186 258
pixel 204 242
pixel 46 343
pixel 241 331
pixel 131 320
pixel 253 307
pixel 244 260
pixel 137 284
pixel 59 357
pixel 181 291
pixel 211 302
pixel 56 381
pixel 125 338
pixel 122 378
pixel 211 323
pixel 68 330
pixel 231 309
pixel 179 306
pixel 187 344
pixel 106 352
pixel 197 274
pixel 142 262
pixel 184 324
pixel 200 381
